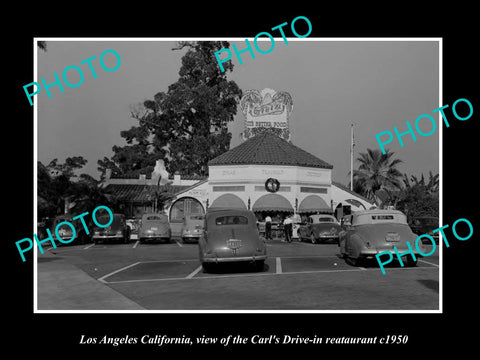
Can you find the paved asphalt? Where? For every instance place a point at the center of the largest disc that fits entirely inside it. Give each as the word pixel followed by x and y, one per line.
pixel 296 276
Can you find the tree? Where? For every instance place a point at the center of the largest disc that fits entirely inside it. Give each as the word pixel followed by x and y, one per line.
pixel 419 198
pixel 58 183
pixel 376 171
pixel 431 187
pixel 42 45
pixel 186 126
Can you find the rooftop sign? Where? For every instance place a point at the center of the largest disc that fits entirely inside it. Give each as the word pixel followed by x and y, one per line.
pixel 266 109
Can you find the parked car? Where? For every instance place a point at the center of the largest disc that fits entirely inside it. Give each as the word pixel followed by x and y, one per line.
pixel 425 225
pixel 369 232
pixel 192 227
pixel 65 231
pixel 117 230
pixel 154 227
pixel 231 236
pixel 319 228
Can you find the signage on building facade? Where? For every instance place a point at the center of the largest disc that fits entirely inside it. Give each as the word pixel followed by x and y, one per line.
pixel 266 109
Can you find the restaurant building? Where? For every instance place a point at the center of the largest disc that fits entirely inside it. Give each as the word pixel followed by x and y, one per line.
pixel 266 173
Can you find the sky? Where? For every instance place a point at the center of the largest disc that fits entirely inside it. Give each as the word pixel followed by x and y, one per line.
pixel 373 84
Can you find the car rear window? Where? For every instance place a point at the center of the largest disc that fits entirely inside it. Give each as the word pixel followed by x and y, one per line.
pixel 155 217
pixel 196 217
pixel 105 219
pixel 326 219
pixel 231 220
pixel 382 217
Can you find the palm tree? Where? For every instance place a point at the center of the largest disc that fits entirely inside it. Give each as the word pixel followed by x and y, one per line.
pixel 377 171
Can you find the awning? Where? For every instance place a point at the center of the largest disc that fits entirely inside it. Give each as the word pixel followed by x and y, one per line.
pixel 314 203
pixel 229 201
pixel 272 202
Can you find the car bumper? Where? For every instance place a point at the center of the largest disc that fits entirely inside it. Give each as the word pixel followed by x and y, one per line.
pixel 328 236
pixel 146 236
pixel 371 253
pixel 196 236
pixel 234 259
pixel 107 237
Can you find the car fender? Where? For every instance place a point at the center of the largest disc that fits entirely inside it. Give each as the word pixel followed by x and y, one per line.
pixel 354 245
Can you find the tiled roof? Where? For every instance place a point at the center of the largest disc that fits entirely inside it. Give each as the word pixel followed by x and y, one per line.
pixel 139 193
pixel 268 149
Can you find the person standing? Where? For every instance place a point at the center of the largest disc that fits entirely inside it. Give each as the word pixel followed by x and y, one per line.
pixel 287 227
pixel 268 228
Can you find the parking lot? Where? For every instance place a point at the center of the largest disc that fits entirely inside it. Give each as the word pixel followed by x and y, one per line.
pixel 296 276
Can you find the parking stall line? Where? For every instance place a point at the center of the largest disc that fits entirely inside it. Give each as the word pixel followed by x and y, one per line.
pixel 178 243
pixel 231 276
pixel 428 262
pixel 136 243
pixel 278 262
pixel 89 246
pixel 102 279
pixel 194 272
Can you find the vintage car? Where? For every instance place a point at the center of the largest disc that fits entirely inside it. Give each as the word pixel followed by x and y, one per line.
pixel 425 225
pixel 154 227
pixel 117 230
pixel 231 236
pixel 369 232
pixel 318 228
pixel 192 227
pixel 65 231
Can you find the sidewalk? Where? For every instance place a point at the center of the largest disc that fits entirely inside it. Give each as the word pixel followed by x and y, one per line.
pixel 63 286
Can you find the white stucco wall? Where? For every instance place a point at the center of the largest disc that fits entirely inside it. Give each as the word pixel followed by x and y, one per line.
pixel 253 177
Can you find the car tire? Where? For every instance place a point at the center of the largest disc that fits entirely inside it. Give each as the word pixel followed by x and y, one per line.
pixel 259 265
pixel 207 267
pixel 356 261
pixel 411 262
pixel 312 238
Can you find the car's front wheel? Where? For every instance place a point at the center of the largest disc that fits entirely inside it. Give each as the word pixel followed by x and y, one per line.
pixel 259 265
pixel 207 267
pixel 312 238
pixel 411 262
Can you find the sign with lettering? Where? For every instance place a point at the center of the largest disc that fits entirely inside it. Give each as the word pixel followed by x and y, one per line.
pixel 266 109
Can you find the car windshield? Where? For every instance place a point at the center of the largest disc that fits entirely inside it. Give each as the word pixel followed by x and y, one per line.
pixel 231 220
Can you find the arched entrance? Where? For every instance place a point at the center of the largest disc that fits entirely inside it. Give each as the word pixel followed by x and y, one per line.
pixel 182 207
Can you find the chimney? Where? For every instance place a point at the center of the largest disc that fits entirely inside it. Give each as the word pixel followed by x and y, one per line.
pixel 108 174
pixel 142 176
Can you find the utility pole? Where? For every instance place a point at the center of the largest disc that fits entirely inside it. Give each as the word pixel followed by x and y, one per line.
pixel 352 145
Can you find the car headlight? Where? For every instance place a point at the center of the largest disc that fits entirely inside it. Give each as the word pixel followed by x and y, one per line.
pixel 119 232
